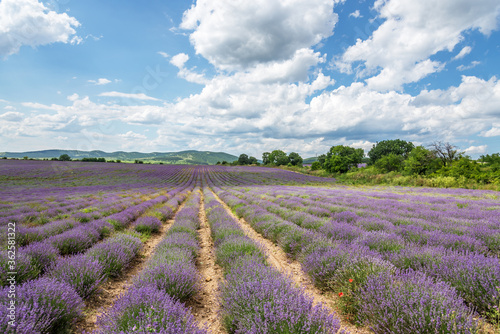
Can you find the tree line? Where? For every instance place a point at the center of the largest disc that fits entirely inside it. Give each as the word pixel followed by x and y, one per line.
pixel 400 156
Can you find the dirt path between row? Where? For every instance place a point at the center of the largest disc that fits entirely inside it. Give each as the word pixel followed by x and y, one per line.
pixel 114 287
pixel 278 258
pixel 205 305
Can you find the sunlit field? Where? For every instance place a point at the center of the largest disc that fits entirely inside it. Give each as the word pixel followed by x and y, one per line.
pixel 138 248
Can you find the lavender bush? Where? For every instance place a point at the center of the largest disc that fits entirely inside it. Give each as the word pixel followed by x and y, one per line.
pixel 116 253
pixel 82 273
pixel 24 269
pixel 258 299
pixel 147 225
pixel 148 310
pixel 411 302
pixel 43 255
pixel 43 306
pixel 76 240
pixel 179 280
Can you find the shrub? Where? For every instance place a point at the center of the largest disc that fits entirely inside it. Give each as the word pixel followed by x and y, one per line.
pixel 43 255
pixel 234 247
pixel 147 225
pixel 258 299
pixel 43 306
pixel 179 280
pixel 411 302
pixel 25 271
pixel 82 273
pixel 352 276
pixel 112 256
pixel 181 240
pixel 115 254
pixel 75 241
pixel 475 276
pixel 146 309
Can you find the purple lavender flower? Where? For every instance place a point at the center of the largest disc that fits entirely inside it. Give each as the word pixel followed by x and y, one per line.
pixel 258 299
pixel 179 280
pixel 43 255
pixel 42 306
pixel 411 302
pixel 115 254
pixel 24 269
pixel 146 309
pixel 76 240
pixel 81 272
pixel 147 225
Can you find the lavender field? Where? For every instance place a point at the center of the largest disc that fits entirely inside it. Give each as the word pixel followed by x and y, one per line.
pixel 138 248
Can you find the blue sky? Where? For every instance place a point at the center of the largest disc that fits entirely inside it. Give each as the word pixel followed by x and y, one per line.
pixel 248 77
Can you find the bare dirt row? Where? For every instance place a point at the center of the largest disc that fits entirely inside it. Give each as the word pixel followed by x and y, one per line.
pixel 205 305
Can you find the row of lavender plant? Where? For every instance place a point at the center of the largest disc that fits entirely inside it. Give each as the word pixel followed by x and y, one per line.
pixel 26 235
pixel 468 224
pixel 38 203
pixel 475 276
pixel 372 291
pixel 255 297
pixel 155 301
pixel 79 275
pixel 34 259
pixel 53 303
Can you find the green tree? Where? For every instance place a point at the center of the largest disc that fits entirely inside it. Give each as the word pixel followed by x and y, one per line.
pixel 64 157
pixel 295 159
pixel 266 158
pixel 390 163
pixel 243 159
pixel 322 160
pixel 253 161
pixel 341 158
pixel 386 147
pixel 421 161
pixel 316 165
pixel 278 158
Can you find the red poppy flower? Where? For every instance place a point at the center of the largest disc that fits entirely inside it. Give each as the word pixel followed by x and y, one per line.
pixel 350 280
pixel 341 294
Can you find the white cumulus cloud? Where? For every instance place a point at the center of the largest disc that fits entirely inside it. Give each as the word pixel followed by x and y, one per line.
pixel 412 31
pixel 100 81
pixel 481 149
pixel 29 22
pixel 237 34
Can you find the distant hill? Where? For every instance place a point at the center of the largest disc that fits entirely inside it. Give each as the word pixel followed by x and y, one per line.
pixel 184 157
pixel 310 160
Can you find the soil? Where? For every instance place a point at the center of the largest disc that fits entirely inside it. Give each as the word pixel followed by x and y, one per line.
pixel 205 305
pixel 278 258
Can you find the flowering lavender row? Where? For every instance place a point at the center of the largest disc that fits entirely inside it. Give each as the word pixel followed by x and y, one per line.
pixel 42 306
pixel 36 258
pixel 35 192
pixel 51 304
pixel 461 223
pixel 72 229
pixel 347 267
pixel 84 272
pixel 255 297
pixel 475 276
pixel 172 266
pixel 153 304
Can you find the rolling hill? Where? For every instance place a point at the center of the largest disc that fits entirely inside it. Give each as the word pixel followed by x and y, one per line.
pixel 191 157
